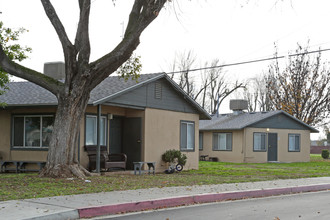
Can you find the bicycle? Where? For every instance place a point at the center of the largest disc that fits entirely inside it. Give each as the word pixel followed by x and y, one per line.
pixel 174 167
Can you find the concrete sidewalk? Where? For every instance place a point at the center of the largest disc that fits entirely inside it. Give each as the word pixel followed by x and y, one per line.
pixel 91 205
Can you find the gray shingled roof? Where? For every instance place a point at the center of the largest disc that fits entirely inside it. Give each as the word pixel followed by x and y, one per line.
pixel 27 93
pixel 240 121
pixel 30 94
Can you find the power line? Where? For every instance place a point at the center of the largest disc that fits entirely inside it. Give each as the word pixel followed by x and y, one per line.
pixel 248 62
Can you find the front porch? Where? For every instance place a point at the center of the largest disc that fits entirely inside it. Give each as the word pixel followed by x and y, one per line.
pixel 118 130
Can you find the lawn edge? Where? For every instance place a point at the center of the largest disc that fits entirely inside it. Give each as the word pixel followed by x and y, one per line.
pixel 88 212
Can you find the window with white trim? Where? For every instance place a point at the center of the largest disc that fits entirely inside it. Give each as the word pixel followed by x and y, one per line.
pixel 259 141
pixel 91 130
pixel 294 142
pixel 187 135
pixel 222 141
pixel 32 131
pixel 200 141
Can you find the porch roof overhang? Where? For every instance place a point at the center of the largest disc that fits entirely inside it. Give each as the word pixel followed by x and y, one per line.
pixel 120 105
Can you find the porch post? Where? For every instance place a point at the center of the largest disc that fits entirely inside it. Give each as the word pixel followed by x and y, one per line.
pixel 98 148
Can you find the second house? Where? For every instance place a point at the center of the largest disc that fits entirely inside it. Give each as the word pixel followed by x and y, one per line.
pixel 255 137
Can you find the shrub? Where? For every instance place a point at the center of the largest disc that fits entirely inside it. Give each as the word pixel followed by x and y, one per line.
pixel 325 154
pixel 168 156
pixel 172 156
pixel 182 159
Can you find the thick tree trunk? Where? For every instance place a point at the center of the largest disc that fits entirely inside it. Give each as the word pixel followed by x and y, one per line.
pixel 81 77
pixel 62 155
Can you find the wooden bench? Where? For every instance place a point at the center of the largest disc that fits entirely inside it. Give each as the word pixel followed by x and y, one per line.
pixel 22 166
pixel 19 166
pixel 138 166
pixel 203 157
pixel 108 161
pixel 5 163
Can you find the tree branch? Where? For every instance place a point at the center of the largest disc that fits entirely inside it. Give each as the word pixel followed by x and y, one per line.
pixel 82 43
pixel 202 89
pixel 227 93
pixel 68 48
pixel 142 14
pixel 40 79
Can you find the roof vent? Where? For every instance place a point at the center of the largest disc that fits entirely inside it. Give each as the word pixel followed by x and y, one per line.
pixel 238 105
pixel 158 90
pixel 55 70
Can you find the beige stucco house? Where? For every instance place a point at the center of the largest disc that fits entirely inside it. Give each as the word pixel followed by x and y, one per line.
pixel 254 137
pixel 142 120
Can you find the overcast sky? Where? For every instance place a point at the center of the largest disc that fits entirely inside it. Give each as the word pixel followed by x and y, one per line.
pixel 230 30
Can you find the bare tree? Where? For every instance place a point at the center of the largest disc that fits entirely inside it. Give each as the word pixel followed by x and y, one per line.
pixel 217 81
pixel 221 91
pixel 256 94
pixel 252 98
pixel 205 82
pixel 184 63
pixel 220 87
pixel 302 88
pixel 213 85
pixel 81 77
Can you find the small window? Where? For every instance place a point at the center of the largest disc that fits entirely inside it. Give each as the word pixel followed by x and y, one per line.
pixel 91 130
pixel 294 142
pixel 259 141
pixel 222 141
pixel 187 136
pixel 32 131
pixel 200 141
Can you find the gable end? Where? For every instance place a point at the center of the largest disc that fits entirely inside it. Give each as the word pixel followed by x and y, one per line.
pixel 280 121
pixel 159 94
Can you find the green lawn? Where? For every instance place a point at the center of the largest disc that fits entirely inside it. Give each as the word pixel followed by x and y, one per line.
pixel 23 186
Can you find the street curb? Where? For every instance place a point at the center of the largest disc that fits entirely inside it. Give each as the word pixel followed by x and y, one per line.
pixel 71 214
pixel 89 212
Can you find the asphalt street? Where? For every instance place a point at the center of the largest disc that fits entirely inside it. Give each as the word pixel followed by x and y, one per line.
pixel 315 205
